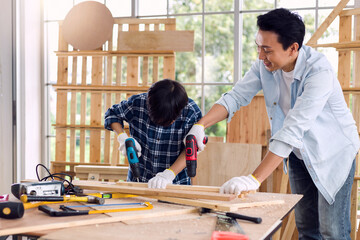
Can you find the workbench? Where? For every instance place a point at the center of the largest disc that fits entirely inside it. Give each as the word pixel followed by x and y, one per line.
pixel 164 221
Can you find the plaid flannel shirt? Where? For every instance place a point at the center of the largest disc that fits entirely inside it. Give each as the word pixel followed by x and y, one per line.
pixel 160 145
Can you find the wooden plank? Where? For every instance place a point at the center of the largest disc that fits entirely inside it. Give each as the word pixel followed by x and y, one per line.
pixel 169 62
pixel 95 110
pixel 219 162
pixel 83 222
pixel 178 41
pixel 144 21
pixel 61 103
pixel 335 12
pixel 156 59
pixel 108 104
pixel 340 46
pixel 145 65
pixel 132 62
pixel 102 169
pixel 152 192
pixel 101 88
pixel 350 12
pixel 83 110
pixel 219 206
pixel 73 111
pixel 129 53
pixel 344 64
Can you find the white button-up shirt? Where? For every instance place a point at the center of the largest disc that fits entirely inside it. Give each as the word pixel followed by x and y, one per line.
pixel 319 122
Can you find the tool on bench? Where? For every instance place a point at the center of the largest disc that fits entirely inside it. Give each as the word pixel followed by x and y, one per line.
pixel 111 195
pixel 191 154
pixel 66 198
pixel 231 214
pixel 11 210
pixel 68 211
pixel 227 228
pixel 132 157
pixel 46 188
pixel 4 198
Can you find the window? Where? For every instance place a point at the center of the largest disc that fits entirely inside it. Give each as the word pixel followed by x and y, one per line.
pixel 209 70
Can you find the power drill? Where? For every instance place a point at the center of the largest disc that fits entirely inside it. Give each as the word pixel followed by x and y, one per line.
pixel 133 158
pixel 191 154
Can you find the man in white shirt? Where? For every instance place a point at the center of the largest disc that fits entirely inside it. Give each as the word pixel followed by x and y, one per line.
pixel 310 122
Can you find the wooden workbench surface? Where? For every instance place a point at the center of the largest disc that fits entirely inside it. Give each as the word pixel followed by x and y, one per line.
pixel 164 221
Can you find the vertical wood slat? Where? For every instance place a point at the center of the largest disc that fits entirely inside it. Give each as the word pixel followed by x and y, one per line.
pixel 115 145
pixel 169 62
pixel 83 110
pixel 73 111
pixel 132 63
pixel 61 105
pixel 145 66
pixel 156 60
pixel 356 114
pixel 108 102
pixel 344 65
pixel 95 110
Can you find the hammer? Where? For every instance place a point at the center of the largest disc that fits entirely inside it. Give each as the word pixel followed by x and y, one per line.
pixel 66 198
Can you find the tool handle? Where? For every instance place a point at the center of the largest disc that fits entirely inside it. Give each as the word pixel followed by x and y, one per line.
pixel 28 198
pixel 54 213
pixel 11 210
pixel 243 217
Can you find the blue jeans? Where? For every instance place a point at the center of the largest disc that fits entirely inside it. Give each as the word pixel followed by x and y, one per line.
pixel 315 217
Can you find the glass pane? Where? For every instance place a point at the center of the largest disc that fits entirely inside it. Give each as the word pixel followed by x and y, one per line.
pixel 56 10
pixel 219 5
pixel 249 50
pixel 51 45
pixel 185 6
pixel 212 94
pixel 296 4
pixel 188 64
pixel 194 92
pixel 219 48
pixel 119 8
pixel 258 4
pixel 332 3
pixel 154 7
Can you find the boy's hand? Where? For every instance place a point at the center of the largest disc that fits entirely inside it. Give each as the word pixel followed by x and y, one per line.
pixel 236 185
pixel 121 139
pixel 162 179
pixel 198 131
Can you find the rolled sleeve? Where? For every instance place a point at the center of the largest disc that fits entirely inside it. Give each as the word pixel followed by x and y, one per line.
pixel 280 148
pixel 229 103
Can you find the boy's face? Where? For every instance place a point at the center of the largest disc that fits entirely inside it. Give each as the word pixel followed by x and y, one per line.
pixel 273 54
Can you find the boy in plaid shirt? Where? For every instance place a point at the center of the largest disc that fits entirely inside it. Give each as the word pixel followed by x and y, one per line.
pixel 158 122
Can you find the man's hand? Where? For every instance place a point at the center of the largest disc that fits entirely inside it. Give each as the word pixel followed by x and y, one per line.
pixel 161 179
pixel 121 139
pixel 236 185
pixel 199 132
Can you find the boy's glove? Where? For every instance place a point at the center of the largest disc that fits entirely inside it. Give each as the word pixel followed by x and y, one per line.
pixel 199 132
pixel 162 179
pixel 121 139
pixel 236 185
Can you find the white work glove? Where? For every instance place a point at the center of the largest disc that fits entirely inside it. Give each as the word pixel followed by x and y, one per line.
pixel 162 179
pixel 121 139
pixel 236 185
pixel 198 131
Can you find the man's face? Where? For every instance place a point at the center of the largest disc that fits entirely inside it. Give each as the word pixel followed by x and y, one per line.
pixel 273 54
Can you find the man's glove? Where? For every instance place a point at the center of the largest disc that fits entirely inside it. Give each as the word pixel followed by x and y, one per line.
pixel 199 132
pixel 236 185
pixel 121 139
pixel 162 179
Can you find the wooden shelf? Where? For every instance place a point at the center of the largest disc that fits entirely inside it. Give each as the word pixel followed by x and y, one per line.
pixel 99 53
pixel 101 88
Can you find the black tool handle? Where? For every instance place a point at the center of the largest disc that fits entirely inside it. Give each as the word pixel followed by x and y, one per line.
pixel 29 198
pixel 54 213
pixel 11 210
pixel 243 217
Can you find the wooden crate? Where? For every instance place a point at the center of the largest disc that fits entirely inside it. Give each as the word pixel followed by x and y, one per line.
pixel 89 82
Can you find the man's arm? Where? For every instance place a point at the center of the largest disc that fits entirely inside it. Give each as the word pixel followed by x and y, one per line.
pixel 216 114
pixel 179 164
pixel 116 127
pixel 270 162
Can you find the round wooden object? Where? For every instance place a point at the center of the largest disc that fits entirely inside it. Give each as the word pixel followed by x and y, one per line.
pixel 88 25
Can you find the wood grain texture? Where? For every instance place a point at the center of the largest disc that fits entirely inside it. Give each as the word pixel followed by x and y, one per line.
pixel 221 161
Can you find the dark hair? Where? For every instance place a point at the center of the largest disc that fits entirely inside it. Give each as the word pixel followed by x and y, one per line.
pixel 166 100
pixel 287 25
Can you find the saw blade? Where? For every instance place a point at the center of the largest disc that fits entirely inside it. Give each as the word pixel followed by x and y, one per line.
pixel 228 224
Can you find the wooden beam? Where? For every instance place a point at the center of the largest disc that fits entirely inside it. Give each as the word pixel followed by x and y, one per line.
pixel 342 45
pixel 178 41
pixel 350 12
pixel 103 186
pixel 101 88
pixel 320 31
pixel 132 53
